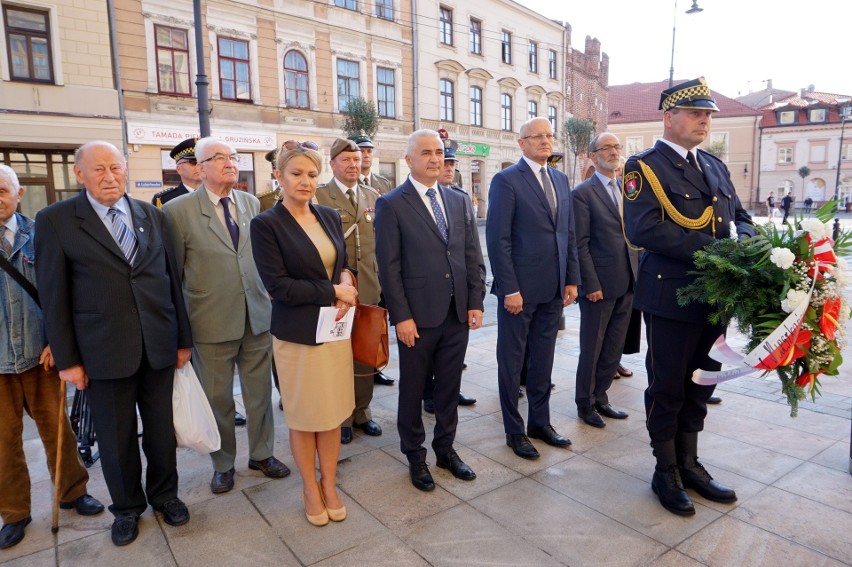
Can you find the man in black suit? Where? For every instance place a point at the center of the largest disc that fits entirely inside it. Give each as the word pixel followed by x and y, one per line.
pixel 429 268
pixel 116 324
pixel 674 205
pixel 533 254
pixel 607 271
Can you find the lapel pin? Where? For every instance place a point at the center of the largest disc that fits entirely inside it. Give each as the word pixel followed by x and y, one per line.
pixel 141 229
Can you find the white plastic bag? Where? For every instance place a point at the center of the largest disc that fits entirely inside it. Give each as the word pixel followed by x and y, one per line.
pixel 195 426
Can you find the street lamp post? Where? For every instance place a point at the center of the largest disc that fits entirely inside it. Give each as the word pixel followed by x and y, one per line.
pixel 201 81
pixel 844 118
pixel 693 10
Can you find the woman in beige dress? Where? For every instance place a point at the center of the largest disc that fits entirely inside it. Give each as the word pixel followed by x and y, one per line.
pixel 301 256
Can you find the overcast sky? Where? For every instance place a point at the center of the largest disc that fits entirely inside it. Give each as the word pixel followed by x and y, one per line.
pixel 735 44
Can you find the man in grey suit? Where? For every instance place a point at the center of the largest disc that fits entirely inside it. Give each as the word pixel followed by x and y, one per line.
pixel 608 272
pixel 229 309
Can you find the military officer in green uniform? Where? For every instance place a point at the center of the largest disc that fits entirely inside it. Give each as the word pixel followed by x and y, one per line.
pixel 356 204
pixel 677 199
pixel 378 182
pixel 188 169
pixel 269 198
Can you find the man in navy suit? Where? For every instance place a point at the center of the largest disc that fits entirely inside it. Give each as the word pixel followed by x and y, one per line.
pixel 117 326
pixel 608 268
pixel 429 268
pixel 533 253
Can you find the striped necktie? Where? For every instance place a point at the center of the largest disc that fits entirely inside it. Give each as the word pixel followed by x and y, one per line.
pixel 123 235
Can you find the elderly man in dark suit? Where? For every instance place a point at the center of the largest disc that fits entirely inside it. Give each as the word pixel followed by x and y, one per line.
pixel 429 267
pixel 116 324
pixel 533 253
pixel 608 271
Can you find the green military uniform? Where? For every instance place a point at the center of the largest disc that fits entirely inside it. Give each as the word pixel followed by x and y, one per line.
pixel 269 198
pixel 361 250
pixel 379 183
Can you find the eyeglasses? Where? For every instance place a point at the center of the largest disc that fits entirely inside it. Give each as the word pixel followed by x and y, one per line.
pixel 220 158
pixel 540 137
pixel 293 144
pixel 187 160
pixel 615 147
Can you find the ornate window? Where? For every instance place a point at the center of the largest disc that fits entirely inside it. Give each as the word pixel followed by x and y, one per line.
pixel 172 46
pixel 296 80
pixel 28 44
pixel 234 69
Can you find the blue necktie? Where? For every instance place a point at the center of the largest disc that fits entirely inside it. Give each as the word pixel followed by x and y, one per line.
pixel 230 222
pixel 123 235
pixel 439 214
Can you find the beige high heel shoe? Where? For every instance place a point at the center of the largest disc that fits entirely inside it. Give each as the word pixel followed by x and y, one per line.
pixel 334 514
pixel 320 519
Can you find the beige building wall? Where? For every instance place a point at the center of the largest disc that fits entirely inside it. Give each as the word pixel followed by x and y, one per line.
pixel 321 33
pixel 456 62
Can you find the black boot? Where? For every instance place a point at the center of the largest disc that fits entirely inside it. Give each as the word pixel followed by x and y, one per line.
pixel 667 484
pixel 693 473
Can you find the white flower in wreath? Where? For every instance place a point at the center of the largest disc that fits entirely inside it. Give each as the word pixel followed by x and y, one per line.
pixel 733 231
pixel 816 228
pixel 782 257
pixel 794 298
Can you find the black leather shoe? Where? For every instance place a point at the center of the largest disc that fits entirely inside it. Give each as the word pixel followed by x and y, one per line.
pixel 371 428
pixel 381 379
pixel 421 478
pixel 270 466
pixel 239 419
pixel 452 462
pixel 125 528
pixel 622 371
pixel 696 477
pixel 714 400
pixel 12 534
pixel 429 406
pixel 85 505
pixel 616 376
pixel 174 512
pixel 222 482
pixel 521 446
pixel 609 411
pixel 591 417
pixel 668 487
pixel 346 435
pixel 465 401
pixel 548 435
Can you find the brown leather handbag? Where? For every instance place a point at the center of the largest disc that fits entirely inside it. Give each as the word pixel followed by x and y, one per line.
pixel 370 335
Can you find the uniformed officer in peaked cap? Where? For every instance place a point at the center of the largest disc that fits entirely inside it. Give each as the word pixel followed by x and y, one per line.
pixel 677 200
pixel 378 182
pixel 188 169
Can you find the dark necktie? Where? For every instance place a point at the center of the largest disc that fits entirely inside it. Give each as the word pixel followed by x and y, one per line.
pixel 352 199
pixel 230 222
pixel 4 244
pixel 439 214
pixel 123 235
pixel 690 157
pixel 548 191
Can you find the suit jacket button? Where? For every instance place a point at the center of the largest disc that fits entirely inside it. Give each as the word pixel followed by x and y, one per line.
pixel 719 219
pixel 447 276
pixel 659 276
pixel 715 198
pixel 686 195
pixel 448 252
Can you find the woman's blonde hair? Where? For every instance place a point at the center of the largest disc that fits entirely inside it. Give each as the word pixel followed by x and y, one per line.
pixel 286 155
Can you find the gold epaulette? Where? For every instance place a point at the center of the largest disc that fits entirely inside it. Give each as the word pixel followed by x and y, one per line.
pixel 676 216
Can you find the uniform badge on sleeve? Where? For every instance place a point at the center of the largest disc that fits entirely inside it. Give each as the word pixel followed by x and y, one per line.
pixel 632 185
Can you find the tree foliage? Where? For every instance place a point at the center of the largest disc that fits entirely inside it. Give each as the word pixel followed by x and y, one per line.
pixel 578 132
pixel 716 148
pixel 361 114
pixel 804 171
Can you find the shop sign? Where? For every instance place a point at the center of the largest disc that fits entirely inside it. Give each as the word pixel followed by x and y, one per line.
pixel 139 133
pixel 473 149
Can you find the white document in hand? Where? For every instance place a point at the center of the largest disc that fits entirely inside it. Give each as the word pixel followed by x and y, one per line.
pixel 330 330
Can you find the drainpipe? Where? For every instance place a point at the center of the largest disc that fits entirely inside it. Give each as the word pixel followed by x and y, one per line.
pixel 116 75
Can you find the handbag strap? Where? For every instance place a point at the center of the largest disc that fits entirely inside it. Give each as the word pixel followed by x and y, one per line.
pixel 19 277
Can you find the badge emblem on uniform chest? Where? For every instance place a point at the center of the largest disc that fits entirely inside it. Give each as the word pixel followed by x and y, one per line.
pixel 632 185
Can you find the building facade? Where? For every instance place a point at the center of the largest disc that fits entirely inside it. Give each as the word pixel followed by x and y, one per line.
pixel 482 71
pixel 634 117
pixel 56 92
pixel 806 130
pixel 278 70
